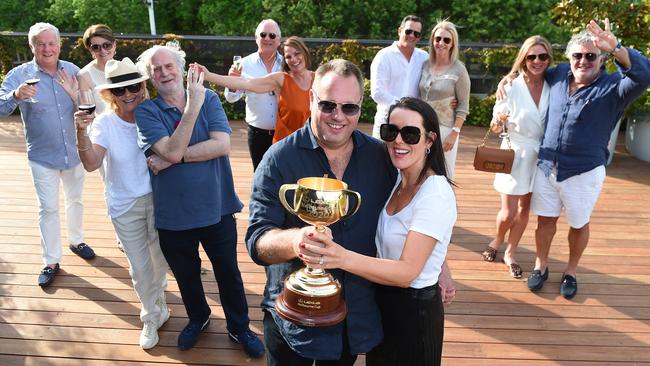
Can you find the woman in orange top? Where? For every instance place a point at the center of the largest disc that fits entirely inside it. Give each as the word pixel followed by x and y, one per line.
pixel 293 91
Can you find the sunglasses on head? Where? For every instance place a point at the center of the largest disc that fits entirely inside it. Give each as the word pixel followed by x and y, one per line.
pixel 271 35
pixel 588 56
pixel 327 106
pixel 410 134
pixel 97 46
pixel 408 32
pixel 133 88
pixel 541 57
pixel 447 40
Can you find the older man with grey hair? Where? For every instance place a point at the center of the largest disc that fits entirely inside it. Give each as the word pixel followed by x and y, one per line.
pixel 261 108
pixel 45 91
pixel 186 133
pixel 586 102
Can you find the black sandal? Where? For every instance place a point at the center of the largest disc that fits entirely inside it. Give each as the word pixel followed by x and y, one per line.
pixel 490 254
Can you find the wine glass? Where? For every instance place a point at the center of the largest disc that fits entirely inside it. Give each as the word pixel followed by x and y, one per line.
pixel 503 119
pixel 86 102
pixel 33 77
pixel 236 60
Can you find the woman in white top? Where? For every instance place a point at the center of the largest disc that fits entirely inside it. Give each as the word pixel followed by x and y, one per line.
pixel 413 233
pixel 523 111
pixel 113 144
pixel 100 41
pixel 445 80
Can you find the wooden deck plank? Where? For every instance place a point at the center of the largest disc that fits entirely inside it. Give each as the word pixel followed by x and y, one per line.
pixel 90 314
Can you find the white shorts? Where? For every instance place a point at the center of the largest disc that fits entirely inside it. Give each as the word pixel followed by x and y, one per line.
pixel 577 195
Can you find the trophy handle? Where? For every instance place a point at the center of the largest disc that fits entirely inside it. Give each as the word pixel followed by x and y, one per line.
pixel 283 196
pixel 356 205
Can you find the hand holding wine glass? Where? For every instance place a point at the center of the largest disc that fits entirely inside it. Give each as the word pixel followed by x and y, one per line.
pixel 33 77
pixel 86 102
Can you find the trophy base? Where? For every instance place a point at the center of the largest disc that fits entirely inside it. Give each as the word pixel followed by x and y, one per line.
pixel 311 298
pixel 310 319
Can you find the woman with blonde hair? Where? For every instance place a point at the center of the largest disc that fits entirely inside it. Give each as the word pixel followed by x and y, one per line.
pixel 523 113
pixel 445 79
pixel 113 145
pixel 291 85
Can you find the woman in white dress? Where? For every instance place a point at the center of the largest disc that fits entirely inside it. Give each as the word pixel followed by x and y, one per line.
pixel 445 85
pixel 523 112
pixel 113 145
pixel 413 233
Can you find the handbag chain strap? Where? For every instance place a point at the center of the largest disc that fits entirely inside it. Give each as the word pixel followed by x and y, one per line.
pixel 505 134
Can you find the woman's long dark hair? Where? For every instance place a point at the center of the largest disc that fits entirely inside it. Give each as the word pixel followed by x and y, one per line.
pixel 435 159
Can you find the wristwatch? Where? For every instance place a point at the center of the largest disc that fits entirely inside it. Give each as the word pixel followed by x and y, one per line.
pixel 616 49
pixel 456 129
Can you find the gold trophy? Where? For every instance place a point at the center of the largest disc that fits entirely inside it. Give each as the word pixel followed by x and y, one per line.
pixel 312 297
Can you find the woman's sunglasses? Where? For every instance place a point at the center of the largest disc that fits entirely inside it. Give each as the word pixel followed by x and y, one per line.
pixel 408 32
pixel 326 106
pixel 588 56
pixel 271 35
pixel 541 57
pixel 133 88
pixel 447 40
pixel 410 134
pixel 106 46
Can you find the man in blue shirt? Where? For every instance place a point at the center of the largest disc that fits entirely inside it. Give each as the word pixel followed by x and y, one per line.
pixel 45 91
pixel 193 191
pixel 328 144
pixel 585 103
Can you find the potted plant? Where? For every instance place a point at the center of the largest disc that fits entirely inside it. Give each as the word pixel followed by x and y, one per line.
pixel 637 136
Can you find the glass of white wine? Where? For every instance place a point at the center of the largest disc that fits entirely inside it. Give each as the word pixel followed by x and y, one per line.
pixel 236 60
pixel 503 120
pixel 32 79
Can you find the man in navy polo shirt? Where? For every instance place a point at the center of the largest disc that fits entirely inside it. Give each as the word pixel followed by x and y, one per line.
pixel 329 143
pixel 193 190
pixel 585 103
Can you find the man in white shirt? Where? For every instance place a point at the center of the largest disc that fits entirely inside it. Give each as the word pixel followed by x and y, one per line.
pixel 261 109
pixel 395 70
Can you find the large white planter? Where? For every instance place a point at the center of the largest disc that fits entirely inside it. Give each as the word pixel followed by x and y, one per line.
pixel 637 137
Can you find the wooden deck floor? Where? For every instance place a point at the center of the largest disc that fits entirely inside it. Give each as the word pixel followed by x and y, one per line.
pixel 90 315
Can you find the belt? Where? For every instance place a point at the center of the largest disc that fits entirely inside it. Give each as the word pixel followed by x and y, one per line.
pixel 261 130
pixel 415 293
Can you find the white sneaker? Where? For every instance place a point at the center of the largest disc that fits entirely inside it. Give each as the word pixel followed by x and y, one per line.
pixel 149 335
pixel 164 310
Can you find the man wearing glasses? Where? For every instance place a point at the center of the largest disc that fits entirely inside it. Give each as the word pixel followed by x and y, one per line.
pixel 45 91
pixel 261 108
pixel 586 103
pixel 328 144
pixel 395 70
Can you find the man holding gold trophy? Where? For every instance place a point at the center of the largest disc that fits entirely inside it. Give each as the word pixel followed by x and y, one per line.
pixel 333 328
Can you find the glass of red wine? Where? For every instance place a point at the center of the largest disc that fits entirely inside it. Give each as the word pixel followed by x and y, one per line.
pixel 32 79
pixel 86 102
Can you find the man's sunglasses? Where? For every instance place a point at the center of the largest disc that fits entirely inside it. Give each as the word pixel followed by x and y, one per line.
pixel 133 88
pixel 408 32
pixel 541 57
pixel 106 46
pixel 326 106
pixel 447 40
pixel 410 134
pixel 588 56
pixel 271 35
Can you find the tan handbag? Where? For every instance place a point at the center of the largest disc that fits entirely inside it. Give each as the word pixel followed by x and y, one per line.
pixel 494 159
